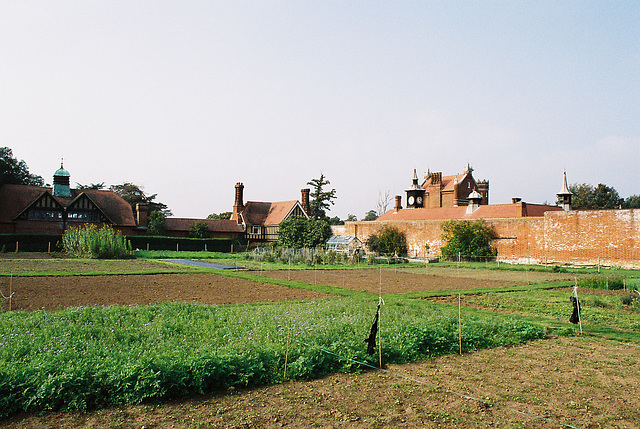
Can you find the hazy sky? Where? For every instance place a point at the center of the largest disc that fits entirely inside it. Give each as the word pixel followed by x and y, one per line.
pixel 186 98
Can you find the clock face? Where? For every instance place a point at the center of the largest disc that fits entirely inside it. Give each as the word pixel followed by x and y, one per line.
pixel 410 200
pixel 419 200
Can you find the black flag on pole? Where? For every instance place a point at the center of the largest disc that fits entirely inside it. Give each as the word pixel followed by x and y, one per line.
pixel 372 335
pixel 575 316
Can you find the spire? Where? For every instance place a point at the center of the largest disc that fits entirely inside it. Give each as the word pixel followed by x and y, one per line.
pixel 565 189
pixel 564 196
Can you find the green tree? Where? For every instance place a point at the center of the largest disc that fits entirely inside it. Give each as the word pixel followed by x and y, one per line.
pixel 199 229
pixel 222 215
pixel 134 194
pixel 321 200
pixel 91 186
pixel 467 238
pixel 334 220
pixel 586 196
pixel 389 241
pixel 632 202
pixel 351 218
pixel 299 232
pixel 371 215
pixel 156 223
pixel 16 172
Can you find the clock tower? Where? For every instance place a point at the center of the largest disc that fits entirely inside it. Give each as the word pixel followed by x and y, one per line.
pixel 415 194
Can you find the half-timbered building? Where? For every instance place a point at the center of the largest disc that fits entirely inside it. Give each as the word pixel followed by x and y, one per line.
pixel 261 220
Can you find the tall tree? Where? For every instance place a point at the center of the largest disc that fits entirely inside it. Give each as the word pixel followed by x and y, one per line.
pixel 586 196
pixel 384 199
pixel 321 200
pixel 16 172
pixel 371 215
pixel 632 202
pixel 222 215
pixel 91 186
pixel 134 194
pixel 299 232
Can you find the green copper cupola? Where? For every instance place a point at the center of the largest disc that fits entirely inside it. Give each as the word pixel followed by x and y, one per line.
pixel 61 186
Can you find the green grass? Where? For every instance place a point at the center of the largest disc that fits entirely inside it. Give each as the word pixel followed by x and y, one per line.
pixel 94 357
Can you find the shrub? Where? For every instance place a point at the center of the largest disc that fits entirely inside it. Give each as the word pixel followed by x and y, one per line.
pixel 389 241
pixel 199 230
pixel 299 232
pixel 467 238
pixel 90 242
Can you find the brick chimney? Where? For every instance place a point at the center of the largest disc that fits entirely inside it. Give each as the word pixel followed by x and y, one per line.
pixel 238 205
pixel 142 214
pixel 305 201
pixel 398 205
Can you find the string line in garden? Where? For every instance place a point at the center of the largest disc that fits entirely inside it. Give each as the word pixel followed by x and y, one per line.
pixel 453 392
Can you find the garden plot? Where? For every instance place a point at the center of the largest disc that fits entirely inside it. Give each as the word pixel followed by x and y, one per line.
pixel 51 293
pixel 403 280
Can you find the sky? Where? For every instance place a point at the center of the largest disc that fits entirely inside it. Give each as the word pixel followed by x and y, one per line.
pixel 186 98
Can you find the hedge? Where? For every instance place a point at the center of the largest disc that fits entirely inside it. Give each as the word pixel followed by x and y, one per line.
pixel 30 242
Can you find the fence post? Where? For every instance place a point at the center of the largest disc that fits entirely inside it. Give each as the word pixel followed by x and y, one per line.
pixel 17 246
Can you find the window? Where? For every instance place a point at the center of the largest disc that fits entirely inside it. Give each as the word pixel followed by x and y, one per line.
pixel 256 230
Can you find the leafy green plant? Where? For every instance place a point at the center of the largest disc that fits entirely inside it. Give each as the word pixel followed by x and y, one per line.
pixel 199 230
pixel 609 282
pixel 299 232
pixel 87 357
pixel 467 238
pixel 88 241
pixel 389 241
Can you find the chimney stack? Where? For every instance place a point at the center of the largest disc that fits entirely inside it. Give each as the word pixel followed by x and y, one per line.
pixel 305 201
pixel 398 205
pixel 142 214
pixel 238 205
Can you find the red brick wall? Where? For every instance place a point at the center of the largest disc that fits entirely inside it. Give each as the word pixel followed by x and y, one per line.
pixel 606 237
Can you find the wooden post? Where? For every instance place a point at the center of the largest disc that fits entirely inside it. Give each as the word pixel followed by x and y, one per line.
pixel 147 246
pixel 17 246
pixel 205 247
pixel 177 247
pixel 459 325
pixel 49 247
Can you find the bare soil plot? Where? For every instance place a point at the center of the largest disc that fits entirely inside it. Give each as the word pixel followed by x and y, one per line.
pixel 581 382
pixel 403 280
pixel 51 293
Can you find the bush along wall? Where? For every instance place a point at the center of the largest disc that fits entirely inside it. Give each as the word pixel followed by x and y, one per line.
pixel 30 242
pixel 142 242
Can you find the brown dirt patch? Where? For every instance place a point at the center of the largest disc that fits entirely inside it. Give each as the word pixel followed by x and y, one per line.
pixel 581 382
pixel 51 293
pixel 405 280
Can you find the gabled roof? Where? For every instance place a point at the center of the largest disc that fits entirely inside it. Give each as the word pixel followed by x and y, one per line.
pixel 268 213
pixel 215 225
pixel 495 211
pixel 14 199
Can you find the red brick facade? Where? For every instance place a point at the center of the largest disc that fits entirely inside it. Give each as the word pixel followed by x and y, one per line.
pixel 589 237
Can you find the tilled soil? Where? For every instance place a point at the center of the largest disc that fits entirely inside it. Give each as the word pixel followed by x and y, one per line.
pixel 51 293
pixel 403 280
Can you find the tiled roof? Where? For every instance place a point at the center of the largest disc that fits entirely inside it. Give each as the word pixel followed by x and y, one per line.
pixel 494 211
pixel 14 199
pixel 447 181
pixel 267 213
pixel 215 225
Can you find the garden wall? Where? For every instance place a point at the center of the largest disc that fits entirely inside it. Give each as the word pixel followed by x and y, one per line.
pixel 583 237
